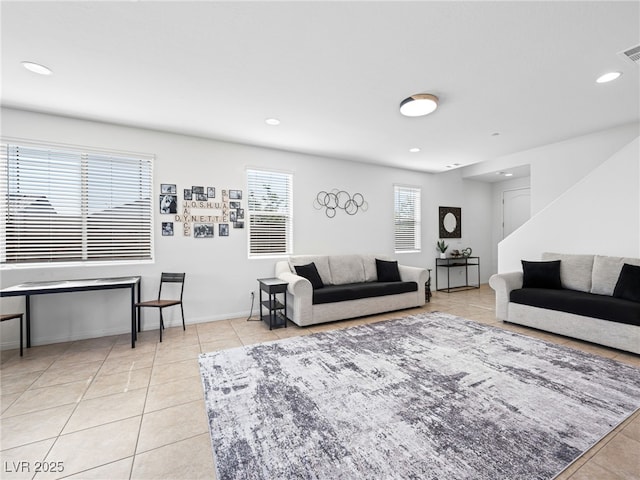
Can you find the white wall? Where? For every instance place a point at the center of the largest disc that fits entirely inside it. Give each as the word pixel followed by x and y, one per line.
pixel 598 215
pixel 219 274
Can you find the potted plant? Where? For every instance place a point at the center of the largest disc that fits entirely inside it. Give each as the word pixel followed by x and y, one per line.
pixel 442 247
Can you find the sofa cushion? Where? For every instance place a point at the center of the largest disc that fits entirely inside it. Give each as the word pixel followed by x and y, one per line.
pixel 321 262
pixel 310 272
pixel 541 274
pixel 355 291
pixel 575 270
pixel 606 271
pixel 579 303
pixel 628 285
pixel 387 271
pixel 346 269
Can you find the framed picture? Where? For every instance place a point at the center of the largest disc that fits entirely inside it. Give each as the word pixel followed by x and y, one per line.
pixel 195 189
pixel 240 212
pixel 238 224
pixel 223 230
pixel 187 194
pixel 203 230
pixel 235 194
pixel 450 222
pixel 211 192
pixel 168 203
pixel 201 197
pixel 167 229
pixel 235 205
pixel 168 188
pixel 233 215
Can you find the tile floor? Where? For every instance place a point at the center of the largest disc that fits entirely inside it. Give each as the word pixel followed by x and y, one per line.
pixel 101 410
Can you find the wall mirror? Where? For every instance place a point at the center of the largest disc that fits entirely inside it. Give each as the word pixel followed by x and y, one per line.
pixel 450 222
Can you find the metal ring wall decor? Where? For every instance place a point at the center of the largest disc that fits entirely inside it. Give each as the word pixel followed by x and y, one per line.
pixel 339 199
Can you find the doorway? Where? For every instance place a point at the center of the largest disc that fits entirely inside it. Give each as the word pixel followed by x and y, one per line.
pixel 516 209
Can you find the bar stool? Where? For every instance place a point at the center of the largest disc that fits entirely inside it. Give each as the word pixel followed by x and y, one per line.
pixel 11 316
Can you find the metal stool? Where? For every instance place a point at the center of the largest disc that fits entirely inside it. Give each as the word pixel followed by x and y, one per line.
pixel 11 316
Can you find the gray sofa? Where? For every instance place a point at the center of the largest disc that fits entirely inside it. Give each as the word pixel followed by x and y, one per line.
pixel 349 288
pixel 583 306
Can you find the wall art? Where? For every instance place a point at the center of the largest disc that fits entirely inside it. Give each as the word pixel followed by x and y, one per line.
pixel 168 203
pixel 450 222
pixel 340 200
pixel 203 230
pixel 167 229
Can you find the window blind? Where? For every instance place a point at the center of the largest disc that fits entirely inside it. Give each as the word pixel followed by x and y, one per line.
pixel 407 219
pixel 270 217
pixel 68 205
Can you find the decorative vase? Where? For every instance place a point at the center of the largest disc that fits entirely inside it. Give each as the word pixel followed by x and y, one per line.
pixel 443 255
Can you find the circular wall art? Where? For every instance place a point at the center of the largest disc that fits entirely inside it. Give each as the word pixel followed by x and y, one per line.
pixel 339 199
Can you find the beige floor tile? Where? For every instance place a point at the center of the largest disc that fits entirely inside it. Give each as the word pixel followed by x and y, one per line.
pixel 127 363
pixel 261 337
pixel 27 364
pixel 632 430
pixel 620 456
pixel 110 408
pixel 169 394
pixel 95 446
pixel 93 343
pixel 33 427
pixel 118 470
pixel 628 358
pixel 221 345
pixel 172 424
pixel 48 397
pixel 214 335
pixel 19 463
pixel 125 350
pixel 7 400
pixel 18 383
pixel 59 374
pixel 191 458
pixel 74 357
pixel 170 372
pixel 593 471
pixel 174 353
pixel 118 383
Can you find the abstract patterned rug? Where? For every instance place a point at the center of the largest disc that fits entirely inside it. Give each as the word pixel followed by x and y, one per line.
pixel 430 396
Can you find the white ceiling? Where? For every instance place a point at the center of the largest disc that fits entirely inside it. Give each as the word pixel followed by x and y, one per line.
pixel 334 73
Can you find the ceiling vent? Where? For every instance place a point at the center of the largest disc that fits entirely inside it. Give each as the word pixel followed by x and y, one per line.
pixel 632 54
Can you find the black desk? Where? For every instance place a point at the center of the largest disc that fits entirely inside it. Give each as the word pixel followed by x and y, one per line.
pixel 82 285
pixel 464 262
pixel 277 310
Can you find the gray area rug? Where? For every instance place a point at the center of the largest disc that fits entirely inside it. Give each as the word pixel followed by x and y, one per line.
pixel 430 396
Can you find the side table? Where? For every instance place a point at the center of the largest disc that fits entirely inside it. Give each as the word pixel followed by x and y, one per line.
pixel 454 262
pixel 277 310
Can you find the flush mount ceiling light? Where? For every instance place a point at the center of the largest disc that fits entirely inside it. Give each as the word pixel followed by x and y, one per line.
pixel 418 105
pixel 272 121
pixel 608 77
pixel 414 150
pixel 37 68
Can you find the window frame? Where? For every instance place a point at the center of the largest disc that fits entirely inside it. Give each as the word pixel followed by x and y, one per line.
pixel 416 218
pixel 287 181
pixel 138 212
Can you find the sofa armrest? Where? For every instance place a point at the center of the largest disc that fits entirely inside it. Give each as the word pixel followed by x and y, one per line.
pixel 299 295
pixel 418 275
pixel 503 284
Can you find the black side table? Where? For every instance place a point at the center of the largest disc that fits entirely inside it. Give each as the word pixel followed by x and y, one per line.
pixel 277 311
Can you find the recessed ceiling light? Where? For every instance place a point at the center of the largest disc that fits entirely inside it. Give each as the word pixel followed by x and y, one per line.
pixel 37 68
pixel 608 77
pixel 508 174
pixel 495 134
pixel 272 121
pixel 414 150
pixel 418 105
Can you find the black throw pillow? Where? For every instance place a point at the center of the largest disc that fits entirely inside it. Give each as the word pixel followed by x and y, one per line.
pixel 541 274
pixel 387 271
pixel 310 272
pixel 628 285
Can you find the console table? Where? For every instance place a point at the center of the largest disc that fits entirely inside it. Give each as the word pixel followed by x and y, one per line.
pixel 457 262
pixel 82 285
pixel 277 310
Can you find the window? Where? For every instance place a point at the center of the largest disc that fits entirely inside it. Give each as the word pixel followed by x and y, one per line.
pixel 407 219
pixel 270 217
pixel 61 204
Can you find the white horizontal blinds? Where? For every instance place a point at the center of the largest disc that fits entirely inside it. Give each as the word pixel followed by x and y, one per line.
pixel 66 205
pixel 118 206
pixel 407 219
pixel 270 207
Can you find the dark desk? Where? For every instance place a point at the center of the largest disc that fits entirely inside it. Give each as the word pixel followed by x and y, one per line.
pixel 453 262
pixel 82 285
